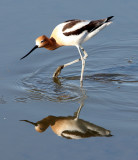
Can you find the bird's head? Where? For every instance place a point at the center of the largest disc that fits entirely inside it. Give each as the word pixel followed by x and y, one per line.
pixel 40 126
pixel 40 42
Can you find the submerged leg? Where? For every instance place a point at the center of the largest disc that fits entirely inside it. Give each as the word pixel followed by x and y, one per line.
pixel 58 70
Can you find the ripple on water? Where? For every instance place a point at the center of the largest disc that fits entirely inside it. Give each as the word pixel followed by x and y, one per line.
pixel 125 75
pixel 40 84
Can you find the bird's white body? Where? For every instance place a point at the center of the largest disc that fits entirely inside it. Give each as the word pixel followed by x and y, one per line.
pixel 71 40
pixel 74 40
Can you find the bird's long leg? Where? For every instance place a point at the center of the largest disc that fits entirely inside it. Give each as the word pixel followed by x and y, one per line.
pixel 83 66
pixel 58 70
pixel 85 53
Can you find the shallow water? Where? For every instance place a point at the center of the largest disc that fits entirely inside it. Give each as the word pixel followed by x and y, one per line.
pixel 28 91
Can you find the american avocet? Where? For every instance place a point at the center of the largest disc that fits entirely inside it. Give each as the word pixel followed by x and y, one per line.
pixel 70 127
pixel 71 33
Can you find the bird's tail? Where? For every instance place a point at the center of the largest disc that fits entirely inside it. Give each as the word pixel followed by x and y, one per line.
pixel 109 19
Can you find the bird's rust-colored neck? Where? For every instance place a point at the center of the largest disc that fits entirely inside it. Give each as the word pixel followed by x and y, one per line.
pixel 52 44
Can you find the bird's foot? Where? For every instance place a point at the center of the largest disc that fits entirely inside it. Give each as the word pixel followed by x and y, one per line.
pixel 58 71
pixel 56 80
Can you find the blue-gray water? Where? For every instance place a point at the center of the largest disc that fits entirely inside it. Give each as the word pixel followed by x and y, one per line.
pixel 27 90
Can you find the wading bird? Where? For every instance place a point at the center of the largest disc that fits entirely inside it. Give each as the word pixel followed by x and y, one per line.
pixel 71 33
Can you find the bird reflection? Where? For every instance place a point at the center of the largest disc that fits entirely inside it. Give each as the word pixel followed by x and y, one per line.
pixel 70 127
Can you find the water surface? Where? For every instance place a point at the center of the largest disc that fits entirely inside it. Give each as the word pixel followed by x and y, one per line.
pixel 28 91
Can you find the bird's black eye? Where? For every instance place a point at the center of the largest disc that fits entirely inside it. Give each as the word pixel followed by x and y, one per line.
pixel 41 129
pixel 42 41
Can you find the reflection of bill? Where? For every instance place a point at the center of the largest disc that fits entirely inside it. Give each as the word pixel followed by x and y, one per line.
pixel 70 127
